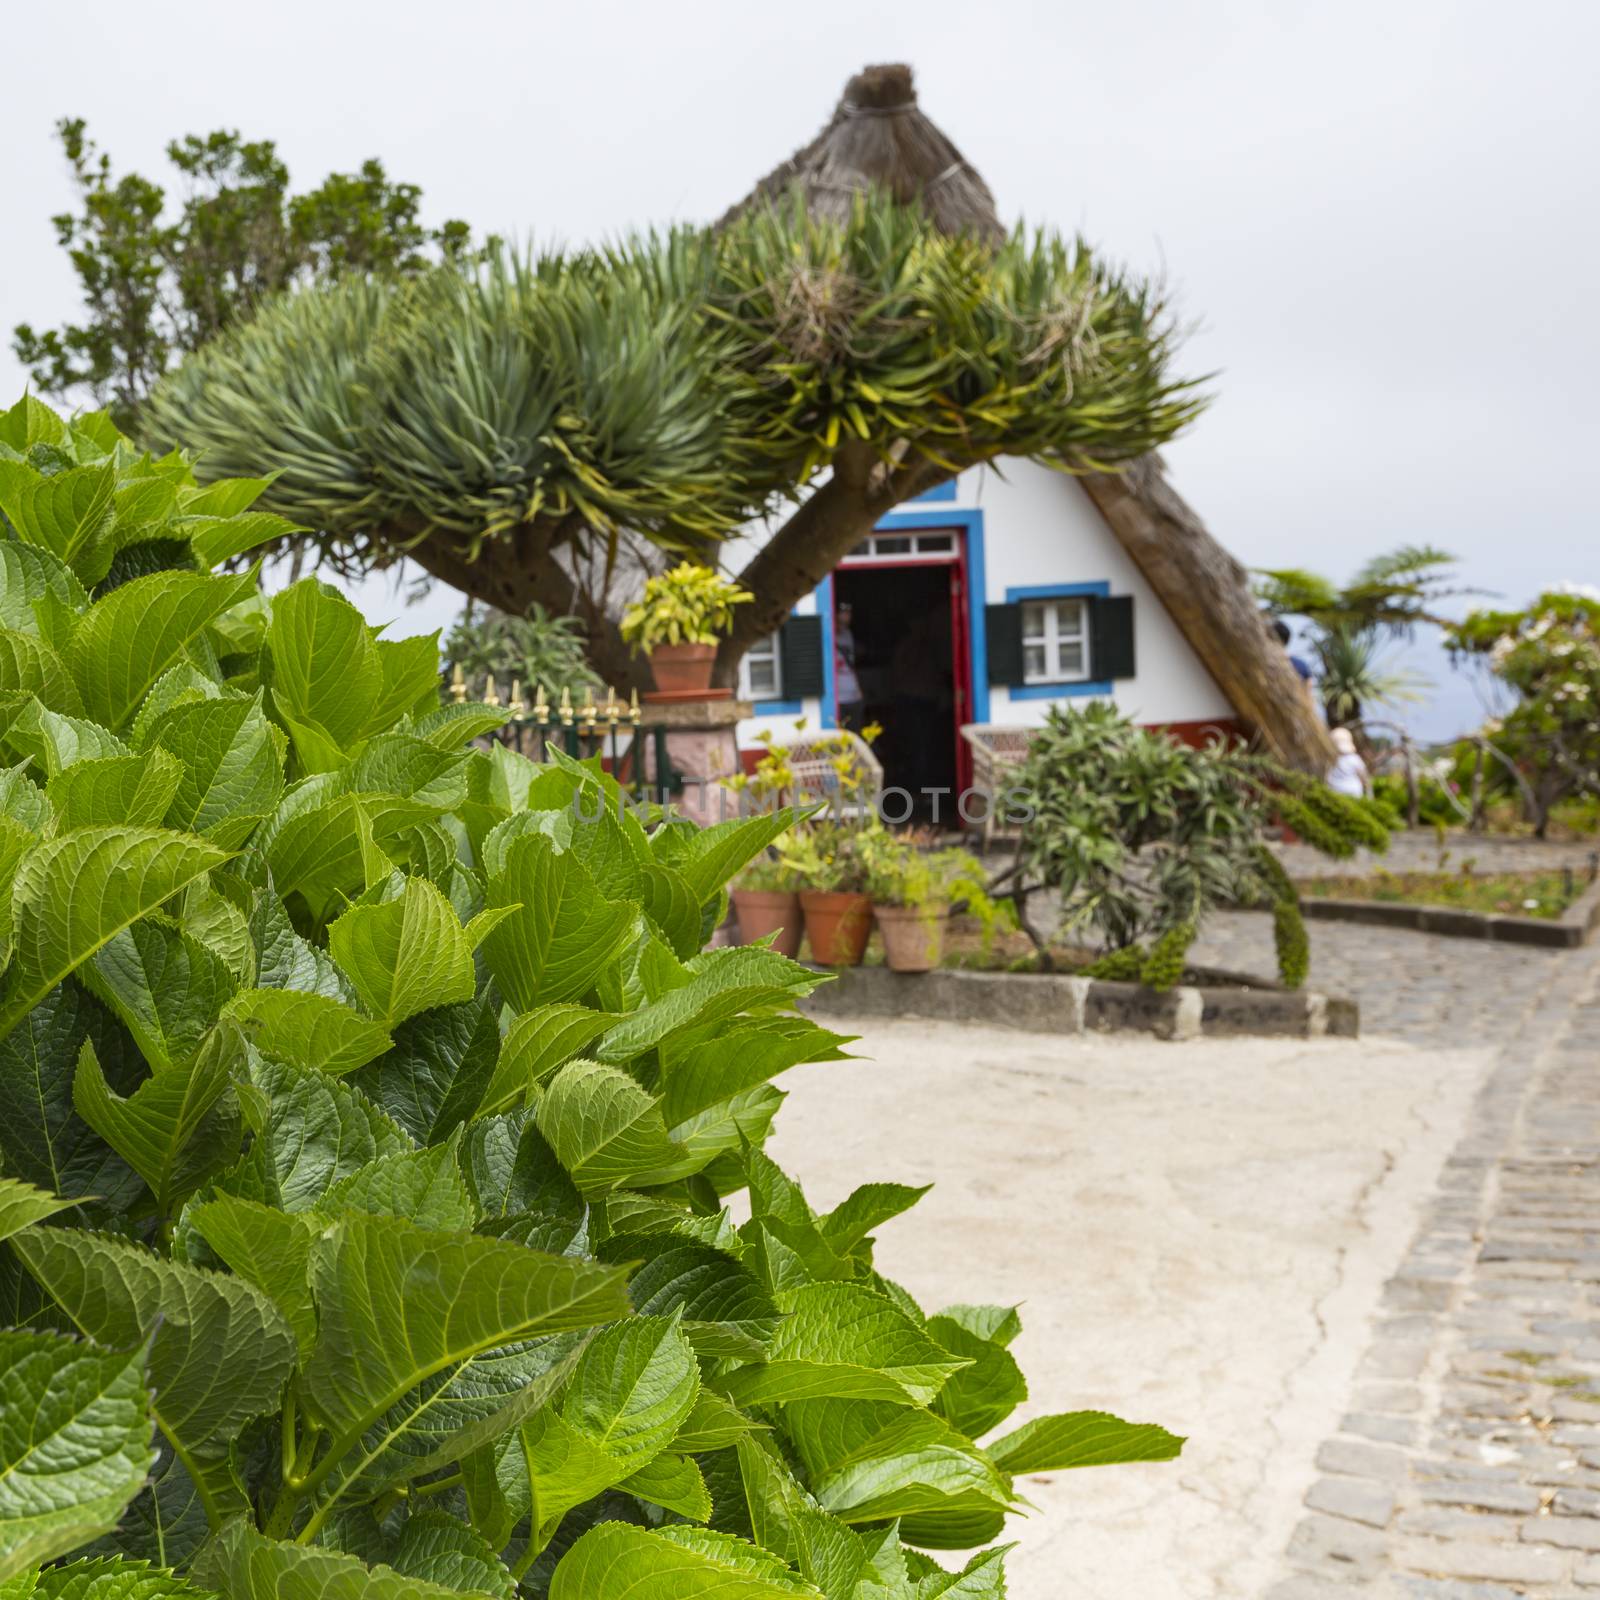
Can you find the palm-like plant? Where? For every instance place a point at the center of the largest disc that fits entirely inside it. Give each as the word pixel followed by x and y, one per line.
pixel 1353 675
pixel 1392 593
pixel 539 649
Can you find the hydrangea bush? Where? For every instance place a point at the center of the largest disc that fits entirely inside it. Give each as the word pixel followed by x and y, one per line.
pixel 369 1118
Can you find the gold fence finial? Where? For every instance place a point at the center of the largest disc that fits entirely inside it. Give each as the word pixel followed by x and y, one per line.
pixel 514 705
pixel 491 696
pixel 541 706
pixel 566 708
pixel 458 684
pixel 634 712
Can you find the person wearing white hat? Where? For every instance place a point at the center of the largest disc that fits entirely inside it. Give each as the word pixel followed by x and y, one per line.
pixel 1349 772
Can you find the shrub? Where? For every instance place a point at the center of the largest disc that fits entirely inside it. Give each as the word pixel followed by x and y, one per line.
pixel 368 1112
pixel 1142 836
pixel 688 605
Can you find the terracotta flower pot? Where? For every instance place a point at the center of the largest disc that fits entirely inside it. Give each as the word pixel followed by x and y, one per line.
pixel 838 926
pixel 913 936
pixel 764 911
pixel 683 668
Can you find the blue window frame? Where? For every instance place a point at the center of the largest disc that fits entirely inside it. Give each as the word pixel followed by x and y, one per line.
pixel 1059 691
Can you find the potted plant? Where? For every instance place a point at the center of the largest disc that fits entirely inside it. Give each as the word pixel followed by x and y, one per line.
pixel 677 623
pixel 914 891
pixel 826 857
pixel 767 901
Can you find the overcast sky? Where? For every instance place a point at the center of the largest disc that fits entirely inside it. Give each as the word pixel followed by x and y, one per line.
pixel 1383 215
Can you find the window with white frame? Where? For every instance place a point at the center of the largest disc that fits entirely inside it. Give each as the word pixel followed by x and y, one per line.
pixel 1055 641
pixel 761 672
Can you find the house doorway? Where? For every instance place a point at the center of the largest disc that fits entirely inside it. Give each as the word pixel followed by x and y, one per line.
pixel 908 621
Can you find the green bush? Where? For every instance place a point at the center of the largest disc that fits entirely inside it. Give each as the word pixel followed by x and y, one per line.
pixel 368 1114
pixel 1142 836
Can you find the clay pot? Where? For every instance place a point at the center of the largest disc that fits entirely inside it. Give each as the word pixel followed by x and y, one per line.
pixel 913 936
pixel 838 926
pixel 764 911
pixel 683 668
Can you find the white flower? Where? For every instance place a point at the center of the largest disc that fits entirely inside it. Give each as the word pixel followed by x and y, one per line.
pixel 1530 905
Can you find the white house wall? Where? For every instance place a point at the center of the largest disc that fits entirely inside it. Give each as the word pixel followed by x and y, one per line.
pixel 1040 528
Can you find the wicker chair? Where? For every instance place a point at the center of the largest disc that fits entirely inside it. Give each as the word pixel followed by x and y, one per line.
pixel 811 757
pixel 998 749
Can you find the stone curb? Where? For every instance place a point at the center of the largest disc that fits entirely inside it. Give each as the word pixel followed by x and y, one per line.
pixel 1057 1003
pixel 1575 926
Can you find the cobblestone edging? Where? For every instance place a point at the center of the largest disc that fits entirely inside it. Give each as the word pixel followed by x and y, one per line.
pixel 1055 1003
pixel 1575 926
pixel 1468 1464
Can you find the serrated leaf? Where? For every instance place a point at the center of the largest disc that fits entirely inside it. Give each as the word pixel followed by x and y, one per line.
pixel 841 1340
pixel 726 1311
pixel 74 1444
pixel 114 1579
pixel 111 790
pixel 400 1304
pixel 232 774
pixel 319 1130
pixel 438 1549
pixel 269 1248
pixel 616 1561
pixel 28 665
pixel 410 678
pixel 220 1351
pixel 167 987
pixel 309 1030
pixel 27 574
pixel 43 1139
pixel 21 1205
pixel 561 934
pixel 245 1565
pixel 511 1170
pixel 983 1395
pixel 405 955
pixel 715 854
pixel 326 673
pixel 606 1131
pixel 432 1079
pixel 66 514
pixel 53 741
pixel 536 1044
pixel 865 1209
pixel 165 1524
pixel 170 1130
pixel 674 1483
pixel 219 538
pixel 1081 1439
pixel 76 892
pixel 423 1186
pixel 131 637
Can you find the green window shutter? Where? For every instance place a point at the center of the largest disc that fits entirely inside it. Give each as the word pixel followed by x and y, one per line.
pixel 800 658
pixel 1111 636
pixel 1003 631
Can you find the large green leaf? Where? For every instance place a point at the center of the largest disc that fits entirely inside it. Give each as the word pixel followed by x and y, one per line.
pixel 405 955
pixel 232 767
pixel 715 854
pixel 171 1130
pixel 77 892
pixel 563 931
pixel 269 1248
pixel 616 1561
pixel 318 1131
pixel 435 1547
pixel 123 790
pixel 982 1396
pixel 30 666
pixel 114 1578
pixel 42 1137
pixel 606 1131
pixel 247 1566
pixel 74 1444
pixel 843 1340
pixel 29 573
pixel 700 1072
pixel 399 1304
pixel 726 1311
pixel 53 742
pixel 874 1461
pixel 723 984
pixel 220 1351
pixel 132 636
pixel 423 1186
pixel 433 1078
pixel 309 1030
pixel 326 673
pixel 1081 1439
pixel 67 514
pixel 167 987
pixel 536 1044
pixel 219 538
pixel 21 1205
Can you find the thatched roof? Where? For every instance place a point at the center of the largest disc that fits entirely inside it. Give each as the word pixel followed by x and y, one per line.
pixel 878 137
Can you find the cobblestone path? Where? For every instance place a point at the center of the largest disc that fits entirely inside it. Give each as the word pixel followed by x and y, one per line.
pixel 1467 1466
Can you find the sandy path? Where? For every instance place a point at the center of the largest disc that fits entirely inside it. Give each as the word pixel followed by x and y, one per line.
pixel 1198 1233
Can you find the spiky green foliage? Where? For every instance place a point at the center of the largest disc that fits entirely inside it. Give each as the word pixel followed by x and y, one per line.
pixel 1142 836
pixel 370 1117
pixel 674 385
